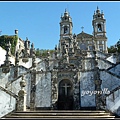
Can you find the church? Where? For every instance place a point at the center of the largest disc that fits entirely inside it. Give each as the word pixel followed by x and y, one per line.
pixel 80 75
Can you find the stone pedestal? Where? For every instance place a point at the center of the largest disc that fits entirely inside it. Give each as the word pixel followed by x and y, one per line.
pixel 33 90
pixel 21 105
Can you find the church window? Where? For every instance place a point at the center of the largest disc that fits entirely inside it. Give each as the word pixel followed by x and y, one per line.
pixel 90 42
pixel 83 46
pixel 100 42
pixel 65 29
pixel 98 16
pixel 99 28
pixel 90 47
pixel 101 48
pixel 65 18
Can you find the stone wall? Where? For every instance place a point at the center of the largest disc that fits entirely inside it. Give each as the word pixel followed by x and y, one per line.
pixel 102 63
pixel 101 55
pixel 112 59
pixel 3 78
pixel 109 81
pixel 7 103
pixel 115 69
pixel 87 85
pixel 113 102
pixel 15 85
pixel 89 64
pixel 43 90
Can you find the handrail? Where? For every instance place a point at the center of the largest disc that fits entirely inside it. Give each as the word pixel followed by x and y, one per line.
pixel 11 81
pixel 9 92
pixel 114 90
pixel 103 98
pixel 113 66
pixel 110 73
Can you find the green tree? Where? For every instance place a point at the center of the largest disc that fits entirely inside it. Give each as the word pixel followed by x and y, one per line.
pixel 4 39
pixel 43 52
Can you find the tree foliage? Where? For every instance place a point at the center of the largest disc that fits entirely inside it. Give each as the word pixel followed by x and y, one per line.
pixel 4 39
pixel 43 52
pixel 115 48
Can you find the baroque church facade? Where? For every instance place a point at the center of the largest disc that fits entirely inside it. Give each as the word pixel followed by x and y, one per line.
pixel 80 75
pixel 72 52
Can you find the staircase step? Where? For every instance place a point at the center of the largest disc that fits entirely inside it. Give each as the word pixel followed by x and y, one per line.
pixel 60 114
pixel 61 111
pixel 57 114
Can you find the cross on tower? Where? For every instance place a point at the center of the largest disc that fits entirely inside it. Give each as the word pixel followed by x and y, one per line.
pixel 66 86
pixel 82 28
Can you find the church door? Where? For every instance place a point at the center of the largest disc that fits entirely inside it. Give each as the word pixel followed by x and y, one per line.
pixel 65 96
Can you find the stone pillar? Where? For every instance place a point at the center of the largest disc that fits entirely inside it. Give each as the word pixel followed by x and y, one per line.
pixel 54 90
pixel 47 61
pixel 33 90
pixel 97 82
pixel 16 71
pixel 105 48
pixel 76 86
pixel 21 103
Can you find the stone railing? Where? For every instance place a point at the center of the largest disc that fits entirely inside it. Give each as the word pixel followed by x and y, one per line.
pixel 8 102
pixel 112 100
pixel 9 92
pixel 106 61
pixel 110 73
pixel 113 66
pixel 113 91
pixel 11 81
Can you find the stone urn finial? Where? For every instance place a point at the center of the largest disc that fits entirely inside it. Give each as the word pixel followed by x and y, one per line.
pixel 22 83
pixel 21 104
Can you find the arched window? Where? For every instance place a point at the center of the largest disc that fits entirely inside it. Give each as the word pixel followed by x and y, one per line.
pixel 65 29
pixel 99 28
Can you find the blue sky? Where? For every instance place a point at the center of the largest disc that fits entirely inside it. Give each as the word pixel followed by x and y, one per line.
pixel 39 21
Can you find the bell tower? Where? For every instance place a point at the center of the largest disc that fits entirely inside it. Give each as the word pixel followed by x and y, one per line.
pixel 66 26
pixel 99 31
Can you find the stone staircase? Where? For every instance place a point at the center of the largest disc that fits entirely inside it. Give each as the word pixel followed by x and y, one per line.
pixel 60 114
